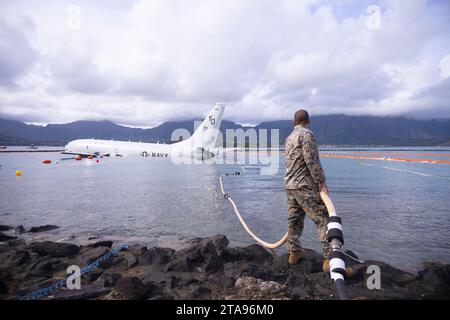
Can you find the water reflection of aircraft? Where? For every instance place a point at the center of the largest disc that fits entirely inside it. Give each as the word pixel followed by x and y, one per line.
pixel 202 144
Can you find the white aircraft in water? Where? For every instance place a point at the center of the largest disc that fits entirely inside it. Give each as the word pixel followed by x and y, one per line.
pixel 202 144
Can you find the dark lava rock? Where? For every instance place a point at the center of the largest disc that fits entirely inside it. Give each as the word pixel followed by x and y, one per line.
pixel 219 241
pixel 254 253
pixel 136 249
pixel 90 291
pixel 298 293
pixel 20 257
pixel 436 273
pixel 110 279
pixel 5 228
pixel 131 288
pixel 130 260
pixel 205 269
pixel 199 292
pixel 3 287
pixel 201 253
pixel 50 265
pixel 47 227
pixel 4 237
pixel 106 243
pixel 157 277
pixel 15 242
pixel 156 256
pixel 19 229
pixel 161 297
pixel 262 272
pixel 390 276
pixel 180 263
pixel 54 249
pixel 93 275
pixel 91 255
pixel 209 252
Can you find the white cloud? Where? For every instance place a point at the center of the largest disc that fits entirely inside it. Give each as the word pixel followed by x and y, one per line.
pixel 142 62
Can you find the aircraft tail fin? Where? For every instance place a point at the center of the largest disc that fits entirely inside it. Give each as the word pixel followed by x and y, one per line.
pixel 207 133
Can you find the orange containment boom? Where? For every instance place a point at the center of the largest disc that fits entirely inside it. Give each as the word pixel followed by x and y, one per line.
pixel 348 156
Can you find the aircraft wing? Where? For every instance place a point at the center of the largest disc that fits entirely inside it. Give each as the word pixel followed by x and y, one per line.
pixel 82 154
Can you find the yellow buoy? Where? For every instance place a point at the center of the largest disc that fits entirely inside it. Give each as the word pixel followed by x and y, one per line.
pixel 18 173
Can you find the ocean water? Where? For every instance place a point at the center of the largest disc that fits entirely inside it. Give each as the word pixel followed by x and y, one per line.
pixel 397 212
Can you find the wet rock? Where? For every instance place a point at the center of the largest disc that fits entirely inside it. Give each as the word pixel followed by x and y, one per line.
pixel 110 279
pixel 192 253
pixel 180 263
pixel 349 261
pixel 390 276
pixel 15 242
pixel 5 227
pixel 131 288
pixel 254 253
pixel 19 229
pixel 20 257
pixel 50 266
pixel 54 249
pixel 209 253
pixel 93 275
pixel 129 260
pixel 92 255
pixel 436 273
pixel 137 249
pixel 47 227
pixel 220 242
pixel 205 269
pixel 4 237
pixel 156 256
pixel 106 243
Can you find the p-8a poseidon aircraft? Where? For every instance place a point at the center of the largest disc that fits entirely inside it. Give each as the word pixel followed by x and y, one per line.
pixel 202 144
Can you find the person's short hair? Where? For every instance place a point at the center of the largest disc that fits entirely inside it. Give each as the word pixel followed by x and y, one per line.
pixel 301 116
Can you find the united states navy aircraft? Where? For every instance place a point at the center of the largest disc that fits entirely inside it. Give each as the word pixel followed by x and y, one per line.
pixel 202 144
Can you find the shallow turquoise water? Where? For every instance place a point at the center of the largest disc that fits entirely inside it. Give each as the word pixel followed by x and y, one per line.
pixel 390 211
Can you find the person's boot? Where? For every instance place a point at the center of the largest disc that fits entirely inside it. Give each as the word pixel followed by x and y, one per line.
pixel 349 271
pixel 296 256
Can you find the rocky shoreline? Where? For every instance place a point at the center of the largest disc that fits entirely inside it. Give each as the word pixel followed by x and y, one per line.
pixel 205 268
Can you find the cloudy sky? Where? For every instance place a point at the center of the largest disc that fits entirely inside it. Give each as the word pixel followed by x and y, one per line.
pixel 142 62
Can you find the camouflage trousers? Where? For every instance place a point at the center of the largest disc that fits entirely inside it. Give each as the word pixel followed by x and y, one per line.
pixel 306 202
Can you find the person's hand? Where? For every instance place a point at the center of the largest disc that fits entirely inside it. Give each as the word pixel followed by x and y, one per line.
pixel 324 187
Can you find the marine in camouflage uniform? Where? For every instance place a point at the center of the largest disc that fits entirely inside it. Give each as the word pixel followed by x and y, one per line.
pixel 302 180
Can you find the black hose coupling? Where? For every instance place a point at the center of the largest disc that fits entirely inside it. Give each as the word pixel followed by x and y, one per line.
pixel 337 265
pixel 335 229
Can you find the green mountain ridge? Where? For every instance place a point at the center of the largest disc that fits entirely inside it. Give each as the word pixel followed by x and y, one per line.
pixel 329 129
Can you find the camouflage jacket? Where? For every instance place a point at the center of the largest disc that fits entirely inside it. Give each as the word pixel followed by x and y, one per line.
pixel 303 167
